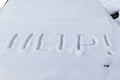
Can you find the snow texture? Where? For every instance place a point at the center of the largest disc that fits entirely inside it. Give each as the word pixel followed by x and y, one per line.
pixel 58 40
pixel 111 5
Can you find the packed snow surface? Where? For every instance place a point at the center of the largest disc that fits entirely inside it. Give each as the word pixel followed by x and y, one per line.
pixel 57 40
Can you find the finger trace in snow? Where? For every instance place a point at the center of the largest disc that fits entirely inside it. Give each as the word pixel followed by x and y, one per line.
pixel 78 42
pixel 39 41
pixel 50 41
pixel 27 41
pixel 106 41
pixel 11 43
pixel 71 18
pixel 61 42
pixel 57 41
pixel 87 40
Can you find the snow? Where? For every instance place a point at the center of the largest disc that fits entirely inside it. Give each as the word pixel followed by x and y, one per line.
pixel 2 3
pixel 111 5
pixel 57 40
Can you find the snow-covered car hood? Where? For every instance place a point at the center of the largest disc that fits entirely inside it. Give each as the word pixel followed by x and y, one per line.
pixel 56 40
